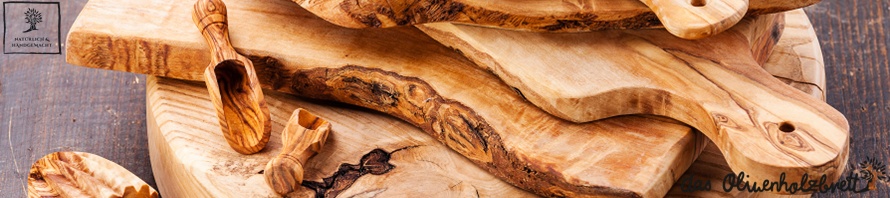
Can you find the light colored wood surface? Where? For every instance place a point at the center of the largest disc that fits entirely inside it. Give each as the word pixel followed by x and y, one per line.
pixel 799 46
pixel 550 16
pixel 400 72
pixel 763 126
pixel 403 73
pixel 78 174
pixel 232 83
pixel 304 136
pixel 190 160
pixel 796 60
pixel 450 168
pixel 695 19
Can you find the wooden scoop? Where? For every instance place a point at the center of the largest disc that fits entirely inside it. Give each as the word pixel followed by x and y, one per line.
pixel 78 174
pixel 303 136
pixel 232 82
pixel 695 19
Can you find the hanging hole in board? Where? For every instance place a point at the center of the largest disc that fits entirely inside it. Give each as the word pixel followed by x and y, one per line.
pixel 698 3
pixel 786 127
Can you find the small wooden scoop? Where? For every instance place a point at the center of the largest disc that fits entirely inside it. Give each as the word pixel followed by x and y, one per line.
pixel 695 19
pixel 232 82
pixel 303 136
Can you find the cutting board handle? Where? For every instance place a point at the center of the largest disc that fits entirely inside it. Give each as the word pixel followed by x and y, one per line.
pixel 232 82
pixel 694 19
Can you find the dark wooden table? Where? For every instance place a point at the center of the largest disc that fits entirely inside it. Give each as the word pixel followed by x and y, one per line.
pixel 47 105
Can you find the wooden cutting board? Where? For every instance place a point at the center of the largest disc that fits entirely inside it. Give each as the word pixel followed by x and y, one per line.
pixel 403 73
pixel 190 158
pixel 797 61
pixel 187 150
pixel 763 126
pixel 400 72
pixel 551 16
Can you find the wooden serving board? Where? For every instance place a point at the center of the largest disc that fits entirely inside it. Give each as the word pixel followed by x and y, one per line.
pixel 716 85
pixel 403 73
pixel 550 16
pixel 797 61
pixel 187 151
pixel 190 158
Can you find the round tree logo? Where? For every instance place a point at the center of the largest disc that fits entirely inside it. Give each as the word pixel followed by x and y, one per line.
pixel 33 17
pixel 873 171
pixel 32 27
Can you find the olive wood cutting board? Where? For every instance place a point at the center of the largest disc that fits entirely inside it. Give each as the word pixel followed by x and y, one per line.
pixel 763 126
pixel 186 145
pixel 797 61
pixel 403 73
pixel 189 161
pixel 550 16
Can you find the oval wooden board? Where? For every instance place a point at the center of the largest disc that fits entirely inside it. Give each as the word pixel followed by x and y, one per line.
pixel 190 158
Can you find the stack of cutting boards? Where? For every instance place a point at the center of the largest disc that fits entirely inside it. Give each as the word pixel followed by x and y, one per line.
pixel 460 110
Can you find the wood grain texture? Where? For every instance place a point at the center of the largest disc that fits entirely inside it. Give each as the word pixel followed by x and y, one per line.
pixel 799 45
pixel 354 144
pixel 304 136
pixel 549 16
pixel 48 106
pixel 796 60
pixel 78 174
pixel 47 110
pixel 232 83
pixel 408 162
pixel 695 19
pixel 404 73
pixel 378 89
pixel 763 126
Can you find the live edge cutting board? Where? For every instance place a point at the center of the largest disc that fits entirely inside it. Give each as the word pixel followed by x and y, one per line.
pixel 400 72
pixel 185 145
pixel 187 150
pixel 546 15
pixel 763 126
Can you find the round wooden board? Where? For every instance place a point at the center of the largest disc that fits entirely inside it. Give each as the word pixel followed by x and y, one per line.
pixel 191 159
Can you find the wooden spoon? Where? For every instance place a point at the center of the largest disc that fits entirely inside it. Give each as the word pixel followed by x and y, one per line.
pixel 695 19
pixel 232 82
pixel 303 136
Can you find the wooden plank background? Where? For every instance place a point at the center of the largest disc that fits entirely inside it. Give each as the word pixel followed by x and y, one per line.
pixel 47 105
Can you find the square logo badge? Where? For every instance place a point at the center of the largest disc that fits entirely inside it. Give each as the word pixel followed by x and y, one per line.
pixel 31 28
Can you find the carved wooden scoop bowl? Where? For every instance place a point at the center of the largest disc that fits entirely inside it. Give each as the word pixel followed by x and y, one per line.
pixel 303 136
pixel 233 84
